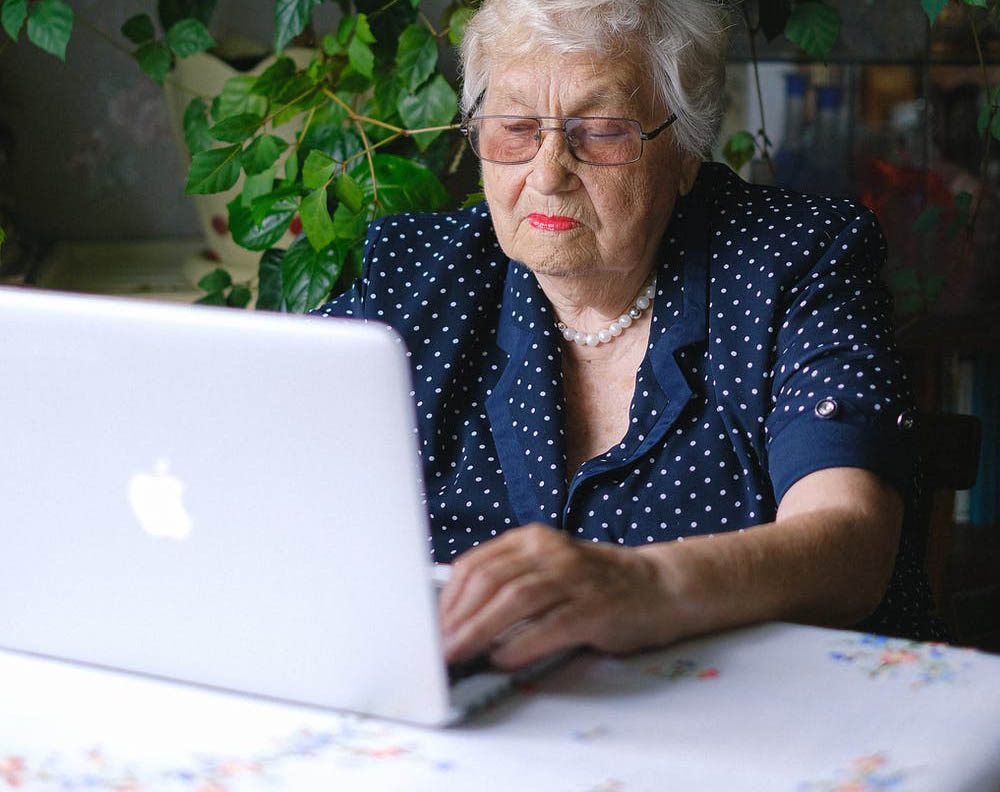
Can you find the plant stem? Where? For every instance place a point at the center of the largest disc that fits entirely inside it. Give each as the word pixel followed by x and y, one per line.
pixel 764 143
pixel 382 9
pixel 381 143
pixel 365 119
pixel 423 18
pixel 371 162
pixel 305 128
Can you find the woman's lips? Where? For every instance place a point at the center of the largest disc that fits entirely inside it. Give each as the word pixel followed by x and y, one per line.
pixel 549 223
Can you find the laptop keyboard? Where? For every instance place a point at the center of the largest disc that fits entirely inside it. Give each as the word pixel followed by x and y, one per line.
pixel 480 664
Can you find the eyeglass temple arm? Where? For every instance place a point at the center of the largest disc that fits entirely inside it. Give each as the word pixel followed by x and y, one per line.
pixel 654 132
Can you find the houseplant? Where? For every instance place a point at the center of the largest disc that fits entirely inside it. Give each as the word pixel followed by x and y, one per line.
pixel 369 110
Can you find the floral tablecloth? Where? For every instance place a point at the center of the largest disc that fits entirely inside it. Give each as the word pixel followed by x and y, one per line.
pixel 775 707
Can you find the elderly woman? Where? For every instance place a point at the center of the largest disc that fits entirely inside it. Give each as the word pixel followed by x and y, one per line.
pixel 654 401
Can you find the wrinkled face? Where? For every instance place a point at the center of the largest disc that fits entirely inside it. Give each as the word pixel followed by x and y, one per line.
pixel 561 217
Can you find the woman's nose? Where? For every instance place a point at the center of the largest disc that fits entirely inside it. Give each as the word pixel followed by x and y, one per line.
pixel 554 167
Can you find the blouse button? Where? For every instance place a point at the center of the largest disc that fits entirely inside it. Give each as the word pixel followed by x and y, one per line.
pixel 906 421
pixel 826 408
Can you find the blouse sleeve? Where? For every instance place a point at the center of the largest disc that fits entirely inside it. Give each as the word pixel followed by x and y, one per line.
pixel 839 396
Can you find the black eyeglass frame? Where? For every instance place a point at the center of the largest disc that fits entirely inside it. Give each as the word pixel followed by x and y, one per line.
pixel 643 135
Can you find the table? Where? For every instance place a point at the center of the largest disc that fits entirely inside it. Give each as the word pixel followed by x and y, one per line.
pixel 773 707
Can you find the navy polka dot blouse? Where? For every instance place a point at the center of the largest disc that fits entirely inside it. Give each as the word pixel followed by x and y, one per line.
pixel 770 357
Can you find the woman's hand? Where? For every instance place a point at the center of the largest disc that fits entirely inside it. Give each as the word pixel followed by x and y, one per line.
pixel 534 590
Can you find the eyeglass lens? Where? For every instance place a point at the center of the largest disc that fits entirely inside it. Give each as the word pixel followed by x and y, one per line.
pixel 513 139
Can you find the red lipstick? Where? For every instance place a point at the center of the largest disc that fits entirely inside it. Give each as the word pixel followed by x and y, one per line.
pixel 547 223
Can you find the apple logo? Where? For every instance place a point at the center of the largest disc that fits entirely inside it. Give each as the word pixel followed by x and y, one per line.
pixel 157 501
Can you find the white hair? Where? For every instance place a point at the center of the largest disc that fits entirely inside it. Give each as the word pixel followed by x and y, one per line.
pixel 682 43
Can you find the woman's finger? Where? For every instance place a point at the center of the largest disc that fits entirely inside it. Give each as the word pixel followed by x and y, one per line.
pixel 519 601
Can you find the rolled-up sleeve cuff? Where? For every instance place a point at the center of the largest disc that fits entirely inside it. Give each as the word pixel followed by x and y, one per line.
pixel 811 443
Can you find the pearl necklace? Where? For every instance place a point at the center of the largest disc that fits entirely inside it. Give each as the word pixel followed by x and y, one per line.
pixel 615 329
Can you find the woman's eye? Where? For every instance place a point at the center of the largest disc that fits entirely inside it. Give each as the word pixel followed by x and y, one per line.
pixel 604 131
pixel 519 129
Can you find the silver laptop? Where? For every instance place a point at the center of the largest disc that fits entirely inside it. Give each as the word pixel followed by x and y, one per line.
pixel 220 497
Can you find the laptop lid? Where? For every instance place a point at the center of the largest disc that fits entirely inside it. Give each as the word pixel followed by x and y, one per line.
pixel 216 496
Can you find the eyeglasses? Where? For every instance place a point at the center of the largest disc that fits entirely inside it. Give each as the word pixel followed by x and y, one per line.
pixel 512 140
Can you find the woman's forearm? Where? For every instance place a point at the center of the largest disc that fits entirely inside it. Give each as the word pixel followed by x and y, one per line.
pixel 826 560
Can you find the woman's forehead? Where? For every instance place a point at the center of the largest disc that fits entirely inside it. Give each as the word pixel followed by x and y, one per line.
pixel 578 81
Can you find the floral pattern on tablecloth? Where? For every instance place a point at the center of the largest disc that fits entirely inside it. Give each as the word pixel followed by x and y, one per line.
pixel 682 669
pixel 923 664
pixel 357 743
pixel 865 774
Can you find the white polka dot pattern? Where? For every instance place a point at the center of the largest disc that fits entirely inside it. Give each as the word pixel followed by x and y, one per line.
pixel 767 303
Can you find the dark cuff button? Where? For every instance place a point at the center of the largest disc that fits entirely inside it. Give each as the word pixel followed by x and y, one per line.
pixel 906 420
pixel 826 408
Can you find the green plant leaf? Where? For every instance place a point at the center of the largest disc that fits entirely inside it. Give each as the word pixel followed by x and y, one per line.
pixel 345 28
pixel 299 94
pixel 239 296
pixel 195 124
pixel 403 185
pixel 292 166
pixel 214 170
pixel 347 225
pixel 385 98
pixel 336 141
pixel 171 12
pixel 316 220
pixel 212 298
pixel 270 295
pixel 50 24
pixel 933 8
pixel 928 219
pixel 237 97
pixel 188 37
pixel 237 128
pixel 349 193
pixel 308 275
pixel 12 17
pixel 456 24
pixel 361 57
pixel 386 27
pixel 433 105
pixel 317 170
pixel 3 237
pixel 473 198
pixel 215 281
pixel 155 60
pixel 139 29
pixel 290 19
pixel 262 153
pixel 255 185
pixel 283 199
pixel 330 45
pixel 274 78
pixel 362 31
pixel 264 234
pixel 815 27
pixel 739 149
pixel 416 57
